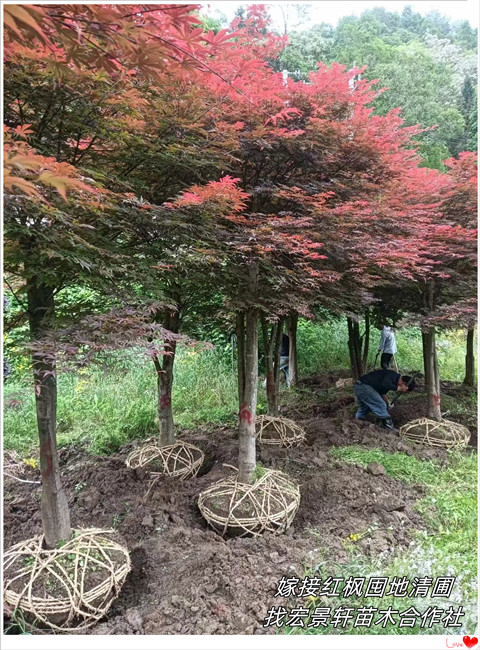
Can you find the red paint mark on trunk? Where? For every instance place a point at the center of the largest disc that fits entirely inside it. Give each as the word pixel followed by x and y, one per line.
pixel 245 414
pixel 46 455
pixel 165 401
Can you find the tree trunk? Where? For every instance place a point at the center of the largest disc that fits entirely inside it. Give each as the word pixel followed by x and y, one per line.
pixel 54 504
pixel 366 341
pixel 276 357
pixel 248 404
pixel 292 324
pixel 240 333
pixel 355 346
pixel 171 322
pixel 272 344
pixel 437 370
pixel 425 355
pixel 431 374
pixel 470 360
pixel 351 349
pixel 268 346
pixel 358 348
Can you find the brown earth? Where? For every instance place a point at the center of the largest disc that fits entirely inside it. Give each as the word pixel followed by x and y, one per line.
pixel 186 579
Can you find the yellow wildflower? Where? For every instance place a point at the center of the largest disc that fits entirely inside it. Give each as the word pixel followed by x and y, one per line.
pixel 81 385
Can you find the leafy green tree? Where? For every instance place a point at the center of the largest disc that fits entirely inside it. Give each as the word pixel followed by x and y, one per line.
pixel 466 36
pixel 470 115
pixel 421 62
pixel 305 50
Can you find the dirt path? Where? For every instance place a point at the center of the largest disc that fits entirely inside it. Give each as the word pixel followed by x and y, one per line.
pixel 185 578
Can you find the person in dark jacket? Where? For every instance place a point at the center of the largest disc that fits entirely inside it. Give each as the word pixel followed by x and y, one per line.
pixel 371 393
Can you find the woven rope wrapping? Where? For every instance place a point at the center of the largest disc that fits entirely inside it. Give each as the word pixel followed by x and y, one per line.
pixel 78 607
pixel 278 431
pixel 445 433
pixel 272 502
pixel 181 459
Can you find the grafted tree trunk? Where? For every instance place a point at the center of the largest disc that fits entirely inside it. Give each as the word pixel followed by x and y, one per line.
pixel 292 325
pixel 171 322
pixel 366 341
pixel 432 380
pixel 437 369
pixel 470 359
pixel 358 345
pixel 432 374
pixel 351 349
pixel 272 341
pixel 424 353
pixel 248 402
pixel 240 333
pixel 272 403
pixel 54 504
pixel 276 357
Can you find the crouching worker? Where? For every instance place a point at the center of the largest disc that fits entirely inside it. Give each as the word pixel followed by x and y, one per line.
pixel 371 393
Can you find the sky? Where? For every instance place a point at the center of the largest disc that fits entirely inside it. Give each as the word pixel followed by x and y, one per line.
pixel 329 11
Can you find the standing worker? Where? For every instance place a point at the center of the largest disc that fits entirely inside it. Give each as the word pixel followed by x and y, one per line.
pixel 371 393
pixel 387 346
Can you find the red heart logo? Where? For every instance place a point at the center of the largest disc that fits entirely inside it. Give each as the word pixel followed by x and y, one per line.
pixel 470 641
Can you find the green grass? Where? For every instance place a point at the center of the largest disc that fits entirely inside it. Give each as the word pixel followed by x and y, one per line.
pixel 447 547
pixel 105 409
pixel 324 346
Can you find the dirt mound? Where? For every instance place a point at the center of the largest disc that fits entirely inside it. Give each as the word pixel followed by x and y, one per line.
pixel 323 433
pixel 185 577
pixel 329 421
pixel 339 501
pixel 199 583
pixel 323 380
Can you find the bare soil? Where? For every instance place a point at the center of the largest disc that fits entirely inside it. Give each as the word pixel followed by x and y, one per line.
pixel 186 579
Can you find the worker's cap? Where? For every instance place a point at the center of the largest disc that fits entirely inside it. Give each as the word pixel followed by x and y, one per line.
pixel 408 380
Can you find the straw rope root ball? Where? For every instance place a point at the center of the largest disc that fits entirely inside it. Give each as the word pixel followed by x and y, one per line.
pixel 278 431
pixel 239 509
pixel 67 589
pixel 181 459
pixel 445 433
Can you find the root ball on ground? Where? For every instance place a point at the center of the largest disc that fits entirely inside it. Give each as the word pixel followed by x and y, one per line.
pixel 278 431
pixel 445 433
pixel 69 588
pixel 240 509
pixel 181 459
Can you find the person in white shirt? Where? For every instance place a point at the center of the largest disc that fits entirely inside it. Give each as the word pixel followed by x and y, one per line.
pixel 387 346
